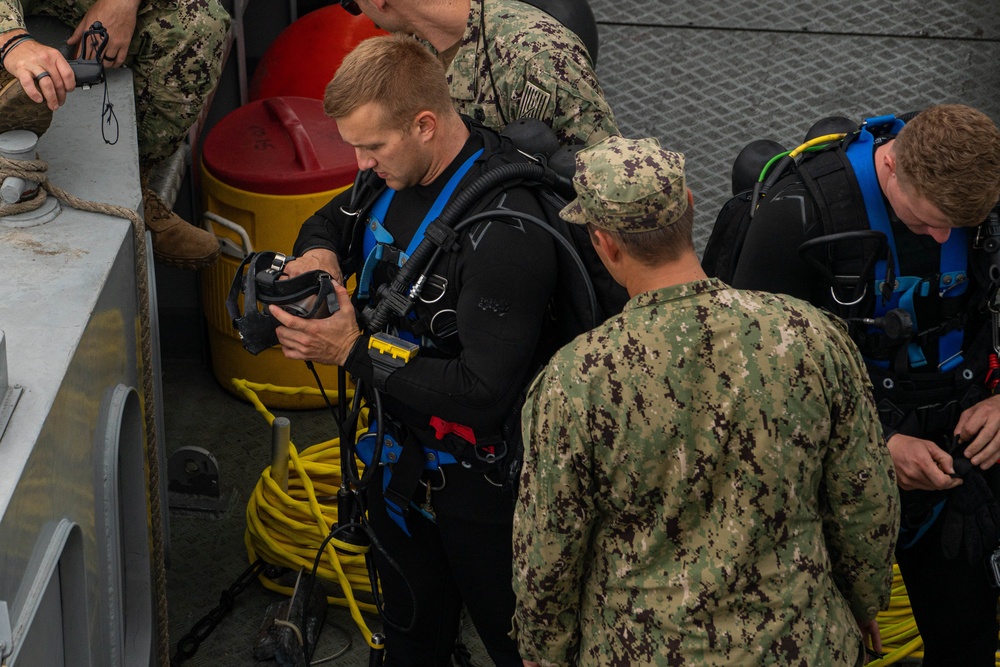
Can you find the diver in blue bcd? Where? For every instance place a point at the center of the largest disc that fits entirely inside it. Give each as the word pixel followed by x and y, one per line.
pixel 898 233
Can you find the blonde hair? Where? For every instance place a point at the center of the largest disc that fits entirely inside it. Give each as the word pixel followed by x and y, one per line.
pixel 950 155
pixel 397 73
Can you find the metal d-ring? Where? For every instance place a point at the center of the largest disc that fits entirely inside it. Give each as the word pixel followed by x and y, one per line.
pixel 486 476
pixel 864 292
pixel 445 330
pixel 444 481
pixel 437 282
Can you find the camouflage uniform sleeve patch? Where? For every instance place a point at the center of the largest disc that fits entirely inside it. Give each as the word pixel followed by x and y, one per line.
pixel 548 69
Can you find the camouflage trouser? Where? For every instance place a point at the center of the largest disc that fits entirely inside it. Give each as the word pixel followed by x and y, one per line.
pixel 176 58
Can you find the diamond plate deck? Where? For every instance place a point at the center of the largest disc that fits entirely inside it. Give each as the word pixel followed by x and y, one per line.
pixel 708 92
pixel 910 18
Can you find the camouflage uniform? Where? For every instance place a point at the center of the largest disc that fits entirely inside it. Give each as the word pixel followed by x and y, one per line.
pixel 540 70
pixel 704 480
pixel 175 55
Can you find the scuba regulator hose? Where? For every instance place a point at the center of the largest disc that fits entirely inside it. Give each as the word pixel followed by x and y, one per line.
pixel 765 182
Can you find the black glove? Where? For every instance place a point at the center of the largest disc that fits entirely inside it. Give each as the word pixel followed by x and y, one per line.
pixel 971 519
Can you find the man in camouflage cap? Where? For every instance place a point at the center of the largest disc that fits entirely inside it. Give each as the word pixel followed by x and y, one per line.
pixel 175 52
pixel 506 60
pixel 704 477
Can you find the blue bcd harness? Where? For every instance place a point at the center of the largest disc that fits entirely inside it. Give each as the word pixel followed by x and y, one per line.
pixel 392 451
pixel 377 241
pixel 377 247
pixel 953 268
pixel 952 277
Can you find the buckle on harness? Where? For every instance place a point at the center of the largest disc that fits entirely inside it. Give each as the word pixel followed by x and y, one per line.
pixel 404 464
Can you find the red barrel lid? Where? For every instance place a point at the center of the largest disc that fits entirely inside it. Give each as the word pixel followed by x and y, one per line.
pixel 279 146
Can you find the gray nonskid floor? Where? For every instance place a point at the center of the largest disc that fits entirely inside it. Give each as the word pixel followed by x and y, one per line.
pixel 207 551
pixel 708 84
pixel 704 81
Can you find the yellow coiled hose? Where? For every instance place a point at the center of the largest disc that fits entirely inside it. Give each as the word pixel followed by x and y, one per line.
pixel 287 528
pixel 900 638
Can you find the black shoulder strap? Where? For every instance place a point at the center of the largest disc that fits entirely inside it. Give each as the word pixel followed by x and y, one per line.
pixel 828 177
pixel 846 248
pixel 498 151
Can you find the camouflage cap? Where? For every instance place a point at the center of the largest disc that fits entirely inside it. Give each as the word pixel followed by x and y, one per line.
pixel 628 185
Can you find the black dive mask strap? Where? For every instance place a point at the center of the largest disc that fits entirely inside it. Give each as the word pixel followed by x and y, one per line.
pixel 256 329
pixel 258 279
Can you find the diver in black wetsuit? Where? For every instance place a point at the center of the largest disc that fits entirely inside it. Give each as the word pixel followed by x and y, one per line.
pixel 938 176
pixel 479 324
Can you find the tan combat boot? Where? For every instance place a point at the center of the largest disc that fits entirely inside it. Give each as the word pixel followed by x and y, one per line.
pixel 177 243
pixel 18 111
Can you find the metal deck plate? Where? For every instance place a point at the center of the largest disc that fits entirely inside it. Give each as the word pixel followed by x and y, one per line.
pixel 907 18
pixel 707 91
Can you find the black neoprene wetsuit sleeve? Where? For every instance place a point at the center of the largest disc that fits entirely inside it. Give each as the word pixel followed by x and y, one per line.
pixel 770 259
pixel 505 275
pixel 328 228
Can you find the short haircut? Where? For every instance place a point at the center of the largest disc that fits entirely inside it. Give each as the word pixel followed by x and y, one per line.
pixel 397 73
pixel 657 246
pixel 950 155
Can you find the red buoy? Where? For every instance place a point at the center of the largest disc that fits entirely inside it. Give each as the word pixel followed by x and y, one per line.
pixel 306 54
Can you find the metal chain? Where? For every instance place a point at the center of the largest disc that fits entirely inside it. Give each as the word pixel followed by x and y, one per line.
pixel 189 643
